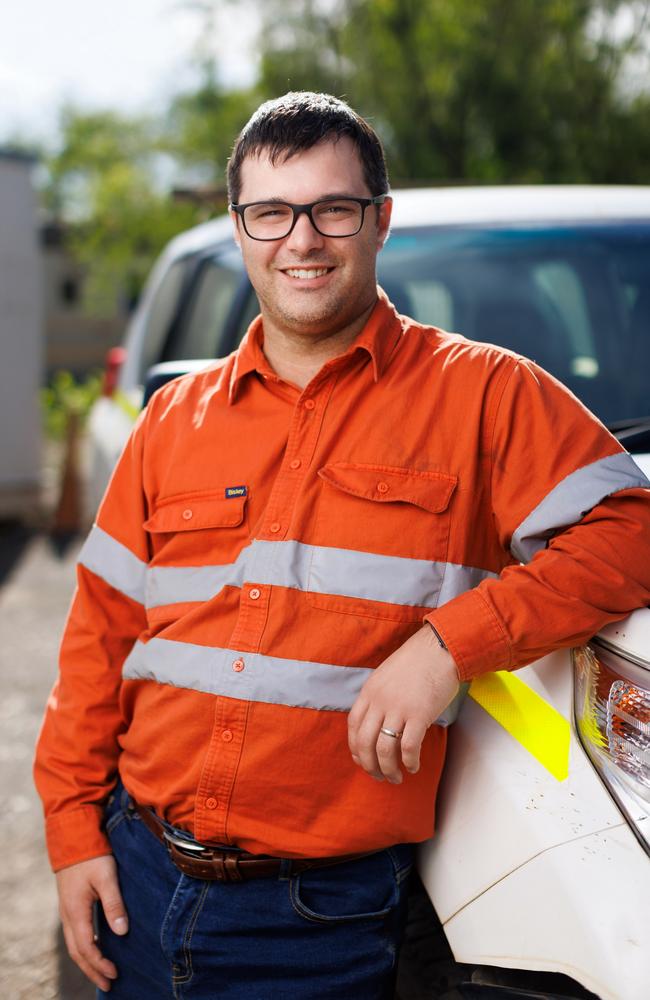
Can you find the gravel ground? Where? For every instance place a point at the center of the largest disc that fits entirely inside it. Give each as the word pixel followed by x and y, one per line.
pixel 36 580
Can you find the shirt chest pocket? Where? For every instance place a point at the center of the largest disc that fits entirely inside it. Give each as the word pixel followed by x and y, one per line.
pixel 380 534
pixel 197 529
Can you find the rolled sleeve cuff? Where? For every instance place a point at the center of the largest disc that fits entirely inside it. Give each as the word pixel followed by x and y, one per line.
pixel 473 634
pixel 75 836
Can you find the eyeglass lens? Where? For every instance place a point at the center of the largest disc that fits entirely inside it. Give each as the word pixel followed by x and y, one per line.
pixel 273 220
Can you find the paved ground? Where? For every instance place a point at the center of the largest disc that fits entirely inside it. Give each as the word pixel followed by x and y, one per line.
pixel 36 580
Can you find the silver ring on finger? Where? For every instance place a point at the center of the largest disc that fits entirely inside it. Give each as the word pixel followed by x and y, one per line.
pixel 390 732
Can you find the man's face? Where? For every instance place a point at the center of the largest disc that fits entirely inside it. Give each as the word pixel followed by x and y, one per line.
pixel 309 284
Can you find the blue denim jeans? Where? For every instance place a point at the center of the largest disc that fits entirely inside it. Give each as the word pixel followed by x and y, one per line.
pixel 324 933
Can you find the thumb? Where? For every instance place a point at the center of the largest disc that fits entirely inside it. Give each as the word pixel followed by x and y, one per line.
pixel 112 904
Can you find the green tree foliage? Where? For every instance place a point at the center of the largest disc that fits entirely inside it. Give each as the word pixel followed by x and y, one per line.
pixel 104 182
pixel 63 397
pixel 202 122
pixel 202 125
pixel 490 90
pixel 304 46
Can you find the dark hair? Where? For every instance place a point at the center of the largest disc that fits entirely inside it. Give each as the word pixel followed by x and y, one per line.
pixel 298 121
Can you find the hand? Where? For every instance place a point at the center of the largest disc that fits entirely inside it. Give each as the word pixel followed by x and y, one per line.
pixel 406 693
pixel 78 887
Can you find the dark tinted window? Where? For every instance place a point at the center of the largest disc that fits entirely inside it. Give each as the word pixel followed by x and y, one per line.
pixel 216 309
pixel 575 299
pixel 202 329
pixel 161 313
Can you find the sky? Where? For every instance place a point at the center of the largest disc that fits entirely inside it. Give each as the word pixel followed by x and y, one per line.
pixel 129 55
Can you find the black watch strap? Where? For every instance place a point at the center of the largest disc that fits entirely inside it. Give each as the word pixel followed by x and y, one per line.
pixel 438 636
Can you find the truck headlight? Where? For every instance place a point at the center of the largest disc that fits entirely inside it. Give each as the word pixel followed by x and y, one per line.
pixel 612 709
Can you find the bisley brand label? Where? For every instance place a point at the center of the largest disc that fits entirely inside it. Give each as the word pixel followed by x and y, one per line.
pixel 236 491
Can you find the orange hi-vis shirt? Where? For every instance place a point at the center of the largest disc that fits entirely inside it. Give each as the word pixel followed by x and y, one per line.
pixel 260 549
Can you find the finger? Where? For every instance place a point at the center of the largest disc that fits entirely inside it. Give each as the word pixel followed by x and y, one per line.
pixel 100 972
pixel 366 744
pixel 110 897
pixel 388 752
pixel 356 716
pixel 411 743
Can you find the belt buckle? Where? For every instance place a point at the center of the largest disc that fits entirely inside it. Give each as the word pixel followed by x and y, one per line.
pixel 224 865
pixel 188 847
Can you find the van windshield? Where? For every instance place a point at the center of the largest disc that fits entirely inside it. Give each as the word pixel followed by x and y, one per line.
pixel 574 298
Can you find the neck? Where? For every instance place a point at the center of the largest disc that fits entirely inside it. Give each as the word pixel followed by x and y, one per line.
pixel 297 358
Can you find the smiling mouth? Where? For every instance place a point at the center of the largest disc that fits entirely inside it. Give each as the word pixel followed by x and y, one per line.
pixel 305 273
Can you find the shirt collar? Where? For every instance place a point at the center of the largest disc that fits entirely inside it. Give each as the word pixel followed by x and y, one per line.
pixel 378 338
pixel 249 357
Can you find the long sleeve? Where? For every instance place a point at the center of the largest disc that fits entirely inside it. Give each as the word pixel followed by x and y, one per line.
pixel 573 511
pixel 78 747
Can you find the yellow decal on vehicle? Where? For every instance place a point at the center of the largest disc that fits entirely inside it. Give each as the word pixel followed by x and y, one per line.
pixel 539 727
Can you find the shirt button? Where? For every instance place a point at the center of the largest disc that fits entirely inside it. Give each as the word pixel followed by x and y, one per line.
pixel 187 514
pixel 211 803
pixel 295 464
pixel 382 487
pixel 275 527
pixel 309 404
pixel 226 736
pixel 254 594
pixel 238 665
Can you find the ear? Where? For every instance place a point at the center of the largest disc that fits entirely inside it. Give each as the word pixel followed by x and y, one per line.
pixel 235 226
pixel 383 222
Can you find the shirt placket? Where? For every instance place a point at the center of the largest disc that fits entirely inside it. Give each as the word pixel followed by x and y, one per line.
pixel 220 767
pixel 274 526
pixel 231 714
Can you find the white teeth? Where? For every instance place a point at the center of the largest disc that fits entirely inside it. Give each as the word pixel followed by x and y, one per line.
pixel 295 272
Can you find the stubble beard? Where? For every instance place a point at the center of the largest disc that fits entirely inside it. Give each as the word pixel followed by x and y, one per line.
pixel 324 315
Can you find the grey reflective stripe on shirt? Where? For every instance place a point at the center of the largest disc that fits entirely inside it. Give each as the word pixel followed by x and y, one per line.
pixel 114 563
pixel 371 577
pixel 270 679
pixel 292 564
pixel 318 569
pixel 572 498
pixel 308 568
pixel 458 579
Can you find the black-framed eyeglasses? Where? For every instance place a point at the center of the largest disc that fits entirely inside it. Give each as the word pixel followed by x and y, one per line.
pixel 274 220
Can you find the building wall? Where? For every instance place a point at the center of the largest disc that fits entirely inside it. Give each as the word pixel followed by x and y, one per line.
pixel 21 334
pixel 74 339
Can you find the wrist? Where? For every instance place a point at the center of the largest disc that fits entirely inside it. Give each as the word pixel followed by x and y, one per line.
pixel 442 662
pixel 436 633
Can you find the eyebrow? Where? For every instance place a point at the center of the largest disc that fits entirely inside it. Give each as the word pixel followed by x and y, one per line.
pixel 322 197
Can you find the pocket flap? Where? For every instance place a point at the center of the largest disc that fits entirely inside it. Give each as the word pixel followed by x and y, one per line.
pixel 429 490
pixel 191 513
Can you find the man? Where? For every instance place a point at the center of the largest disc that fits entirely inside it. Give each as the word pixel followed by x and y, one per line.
pixel 302 552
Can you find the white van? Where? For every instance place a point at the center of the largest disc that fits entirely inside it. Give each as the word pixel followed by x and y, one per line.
pixel 539 870
pixel 21 338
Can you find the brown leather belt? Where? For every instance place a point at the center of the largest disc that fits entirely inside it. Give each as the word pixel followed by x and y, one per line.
pixel 220 865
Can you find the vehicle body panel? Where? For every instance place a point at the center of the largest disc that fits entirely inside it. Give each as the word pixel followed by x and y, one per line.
pixel 581 908
pixel 523 809
pixel 532 873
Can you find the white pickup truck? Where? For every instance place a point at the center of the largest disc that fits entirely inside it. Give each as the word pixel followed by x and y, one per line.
pixel 539 871
pixel 21 338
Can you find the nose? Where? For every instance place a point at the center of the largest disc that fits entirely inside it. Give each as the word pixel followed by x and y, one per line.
pixel 303 237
